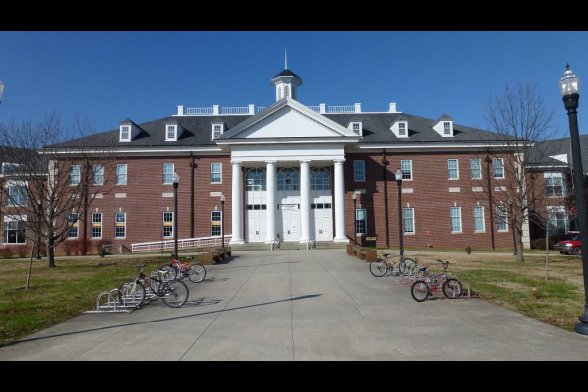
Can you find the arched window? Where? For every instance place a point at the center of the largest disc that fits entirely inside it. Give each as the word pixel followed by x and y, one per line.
pixel 288 179
pixel 255 180
pixel 320 179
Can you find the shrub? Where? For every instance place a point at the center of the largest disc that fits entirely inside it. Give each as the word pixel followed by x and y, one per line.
pixel 540 244
pixel 6 253
pixel 23 251
pixel 468 249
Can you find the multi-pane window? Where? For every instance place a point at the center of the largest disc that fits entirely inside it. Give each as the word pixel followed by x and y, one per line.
pixel 120 225
pixel 446 128
pixel 358 171
pixel 409 220
pixel 360 221
pixel 455 213
pixel 215 223
pixel 452 169
pixel 96 225
pixel 74 174
pixel 320 179
pixel 168 224
pixel 15 230
pixel 73 221
pixel 557 219
pixel 402 129
pixel 217 130
pixel 125 133
pixel 498 168
pixel 121 174
pixel 501 215
pixel 356 128
pixel 554 187
pixel 16 195
pixel 168 173
pixel 288 179
pixel 98 174
pixel 170 133
pixel 479 219
pixel 476 167
pixel 255 180
pixel 406 167
pixel 216 176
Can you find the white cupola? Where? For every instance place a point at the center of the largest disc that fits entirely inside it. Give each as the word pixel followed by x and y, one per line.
pixel 286 83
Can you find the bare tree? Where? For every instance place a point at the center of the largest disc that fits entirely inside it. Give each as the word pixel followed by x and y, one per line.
pixel 47 183
pixel 520 118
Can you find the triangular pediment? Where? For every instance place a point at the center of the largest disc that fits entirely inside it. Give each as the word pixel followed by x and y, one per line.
pixel 287 119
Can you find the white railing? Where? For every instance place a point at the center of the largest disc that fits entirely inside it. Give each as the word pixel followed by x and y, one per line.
pixel 198 111
pixel 315 108
pixel 235 110
pixel 259 109
pixel 341 109
pixel 182 244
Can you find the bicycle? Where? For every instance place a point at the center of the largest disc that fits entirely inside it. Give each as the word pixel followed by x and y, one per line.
pixel 173 293
pixel 380 266
pixel 422 289
pixel 195 272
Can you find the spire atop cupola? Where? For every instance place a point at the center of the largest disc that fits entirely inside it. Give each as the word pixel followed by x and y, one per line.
pixel 286 82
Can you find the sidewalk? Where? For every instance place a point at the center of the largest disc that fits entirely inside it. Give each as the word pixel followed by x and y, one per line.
pixel 302 305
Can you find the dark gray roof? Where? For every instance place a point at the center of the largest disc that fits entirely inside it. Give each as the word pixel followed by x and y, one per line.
pixel 287 72
pixel 198 131
pixel 542 152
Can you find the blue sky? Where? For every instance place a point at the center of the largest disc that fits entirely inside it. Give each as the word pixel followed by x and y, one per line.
pixel 110 76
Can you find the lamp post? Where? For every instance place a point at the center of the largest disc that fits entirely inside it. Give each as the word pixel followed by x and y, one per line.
pixel 488 161
pixel 385 163
pixel 512 227
pixel 569 92
pixel 222 198
pixel 1 90
pixel 398 176
pixel 176 182
pixel 354 197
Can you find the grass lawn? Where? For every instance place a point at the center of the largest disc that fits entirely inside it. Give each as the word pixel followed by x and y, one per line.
pixel 58 294
pixel 559 300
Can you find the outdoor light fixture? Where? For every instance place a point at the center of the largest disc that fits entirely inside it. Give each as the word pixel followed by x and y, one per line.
pixel 222 200
pixel 398 176
pixel 569 87
pixel 176 182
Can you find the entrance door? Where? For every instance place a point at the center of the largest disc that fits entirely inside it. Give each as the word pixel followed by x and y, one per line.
pixel 289 222
pixel 256 226
pixel 321 217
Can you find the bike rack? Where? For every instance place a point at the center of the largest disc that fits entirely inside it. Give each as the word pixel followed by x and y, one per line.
pixel 126 304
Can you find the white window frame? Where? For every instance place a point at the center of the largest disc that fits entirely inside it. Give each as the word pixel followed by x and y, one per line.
pixel 451 217
pixel 74 225
pixel 120 224
pixel 96 224
pixel 456 169
pixel 72 174
pixel 446 127
pixel 119 174
pixel 125 133
pixel 167 223
pixel 359 226
pixel 401 125
pixel 10 219
pixel 501 207
pixel 483 217
pixel 219 172
pixel 359 170
pixel 479 168
pixel 169 175
pixel 174 134
pixel 98 173
pixel 552 211
pixel 221 129
pixel 404 219
pixel 9 200
pixel 216 219
pixel 406 172
pixel 550 176
pixel 359 125
pixel 501 160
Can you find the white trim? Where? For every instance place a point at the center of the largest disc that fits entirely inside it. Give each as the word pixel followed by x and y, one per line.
pixel 494 169
pixel 163 173
pixel 116 225
pixel 174 138
pixel 404 232
pixel 359 124
pixel 456 166
pixel 480 167
pixel 221 172
pixel 125 128
pixel 451 220
pixel 222 129
pixel 483 219
pixel 395 128
pixel 359 171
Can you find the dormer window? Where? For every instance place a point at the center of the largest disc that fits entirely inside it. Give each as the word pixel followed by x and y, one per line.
pixel 400 129
pixel 446 128
pixel 125 133
pixel 171 133
pixel 217 130
pixel 357 128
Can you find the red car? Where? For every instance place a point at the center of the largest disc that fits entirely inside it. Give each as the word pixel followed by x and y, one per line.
pixel 570 246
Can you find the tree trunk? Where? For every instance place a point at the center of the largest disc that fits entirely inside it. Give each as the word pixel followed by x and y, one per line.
pixel 50 252
pixel 519 240
pixel 546 251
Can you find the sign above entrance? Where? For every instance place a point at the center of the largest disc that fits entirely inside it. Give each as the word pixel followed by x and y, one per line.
pixel 290 206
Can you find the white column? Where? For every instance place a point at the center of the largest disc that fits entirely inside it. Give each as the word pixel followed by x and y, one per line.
pixel 236 203
pixel 304 201
pixel 270 180
pixel 339 202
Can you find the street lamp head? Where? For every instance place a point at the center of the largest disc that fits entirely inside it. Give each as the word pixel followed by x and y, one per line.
pixel 569 83
pixel 354 196
pixel 175 179
pixel 398 176
pixel 222 197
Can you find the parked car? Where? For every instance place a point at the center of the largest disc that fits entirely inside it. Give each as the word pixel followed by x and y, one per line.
pixel 570 246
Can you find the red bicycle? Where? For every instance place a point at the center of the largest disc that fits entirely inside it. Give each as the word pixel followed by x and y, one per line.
pixel 177 270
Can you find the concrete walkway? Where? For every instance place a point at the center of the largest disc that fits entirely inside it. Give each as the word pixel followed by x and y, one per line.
pixel 302 305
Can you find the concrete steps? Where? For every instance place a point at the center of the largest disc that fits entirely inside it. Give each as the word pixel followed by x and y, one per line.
pixel 288 246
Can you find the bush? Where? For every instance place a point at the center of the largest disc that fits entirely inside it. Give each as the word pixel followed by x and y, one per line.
pixel 23 251
pixel 540 244
pixel 468 249
pixel 6 253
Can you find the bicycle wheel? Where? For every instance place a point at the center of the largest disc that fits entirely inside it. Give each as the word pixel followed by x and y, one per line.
pixel 419 291
pixel 167 272
pixel 175 293
pixel 452 288
pixel 133 293
pixel 405 265
pixel 379 267
pixel 197 273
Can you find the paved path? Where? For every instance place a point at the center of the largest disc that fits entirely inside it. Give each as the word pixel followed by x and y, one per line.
pixel 302 305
